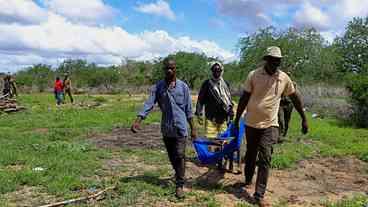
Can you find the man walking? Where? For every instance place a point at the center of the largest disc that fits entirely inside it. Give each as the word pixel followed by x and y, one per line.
pixel 262 94
pixel 68 87
pixel 59 91
pixel 7 87
pixel 174 99
pixel 284 116
pixel 13 86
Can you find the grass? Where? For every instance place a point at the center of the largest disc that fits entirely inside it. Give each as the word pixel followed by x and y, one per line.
pixel 53 139
pixel 326 137
pixel 357 201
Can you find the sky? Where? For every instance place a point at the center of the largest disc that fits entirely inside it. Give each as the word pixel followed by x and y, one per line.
pixel 107 32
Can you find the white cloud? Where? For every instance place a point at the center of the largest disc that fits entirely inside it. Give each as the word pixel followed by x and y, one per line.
pixel 86 11
pixel 246 14
pixel 311 16
pixel 21 12
pixel 328 16
pixel 59 38
pixel 159 8
pixel 160 42
pixel 352 8
pixel 330 35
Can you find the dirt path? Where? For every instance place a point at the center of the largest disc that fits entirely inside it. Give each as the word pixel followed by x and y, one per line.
pixel 148 138
pixel 310 184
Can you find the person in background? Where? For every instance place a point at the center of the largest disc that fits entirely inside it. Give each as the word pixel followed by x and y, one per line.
pixel 6 87
pixel 284 115
pixel 68 87
pixel 58 91
pixel 13 86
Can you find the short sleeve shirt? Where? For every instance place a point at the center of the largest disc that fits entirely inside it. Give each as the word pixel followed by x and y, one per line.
pixel 266 91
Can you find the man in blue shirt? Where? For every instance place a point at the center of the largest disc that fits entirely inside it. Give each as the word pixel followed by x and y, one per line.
pixel 174 99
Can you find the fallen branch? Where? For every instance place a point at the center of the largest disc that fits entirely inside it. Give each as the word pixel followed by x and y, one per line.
pixel 90 197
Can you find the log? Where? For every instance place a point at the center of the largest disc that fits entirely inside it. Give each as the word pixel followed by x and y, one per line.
pixel 80 199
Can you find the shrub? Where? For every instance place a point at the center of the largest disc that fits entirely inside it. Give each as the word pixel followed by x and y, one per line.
pixel 358 86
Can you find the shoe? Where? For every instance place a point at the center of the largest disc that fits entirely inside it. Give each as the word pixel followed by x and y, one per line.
pixel 179 193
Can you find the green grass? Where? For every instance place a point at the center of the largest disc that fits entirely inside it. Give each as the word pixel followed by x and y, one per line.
pixel 54 138
pixel 357 201
pixel 60 147
pixel 326 137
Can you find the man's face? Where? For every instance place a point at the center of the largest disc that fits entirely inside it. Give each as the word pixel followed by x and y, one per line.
pixel 216 71
pixel 170 69
pixel 273 63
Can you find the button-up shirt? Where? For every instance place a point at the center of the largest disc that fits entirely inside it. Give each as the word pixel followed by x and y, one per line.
pixel 176 106
pixel 266 91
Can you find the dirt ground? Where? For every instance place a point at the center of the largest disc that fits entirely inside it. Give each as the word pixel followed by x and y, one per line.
pixel 149 137
pixel 311 183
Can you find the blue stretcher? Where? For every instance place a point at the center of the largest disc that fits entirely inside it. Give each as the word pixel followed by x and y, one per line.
pixel 235 140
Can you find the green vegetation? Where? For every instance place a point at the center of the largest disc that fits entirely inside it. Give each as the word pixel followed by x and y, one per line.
pixel 357 201
pixel 53 139
pixel 48 147
pixel 327 137
pixel 307 55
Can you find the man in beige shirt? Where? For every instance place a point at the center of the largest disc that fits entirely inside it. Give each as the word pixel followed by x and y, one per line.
pixel 261 97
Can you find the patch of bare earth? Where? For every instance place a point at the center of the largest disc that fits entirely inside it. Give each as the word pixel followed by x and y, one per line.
pixel 311 183
pixel 27 197
pixel 149 137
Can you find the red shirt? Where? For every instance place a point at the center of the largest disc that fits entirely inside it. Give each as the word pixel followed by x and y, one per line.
pixel 58 87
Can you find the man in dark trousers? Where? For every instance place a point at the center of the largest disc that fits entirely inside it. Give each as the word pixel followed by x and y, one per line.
pixel 174 99
pixel 285 112
pixel 284 116
pixel 261 97
pixel 68 87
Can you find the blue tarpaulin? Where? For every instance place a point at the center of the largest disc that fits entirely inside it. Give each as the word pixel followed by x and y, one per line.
pixel 207 157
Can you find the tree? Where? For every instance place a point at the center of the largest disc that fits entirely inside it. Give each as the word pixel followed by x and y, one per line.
pixel 39 75
pixel 353 46
pixel 306 53
pixel 191 67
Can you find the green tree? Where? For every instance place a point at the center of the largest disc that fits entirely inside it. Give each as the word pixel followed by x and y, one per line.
pixel 191 67
pixel 306 54
pixel 353 46
pixel 40 75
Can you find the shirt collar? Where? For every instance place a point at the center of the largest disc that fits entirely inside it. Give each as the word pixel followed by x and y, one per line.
pixel 172 84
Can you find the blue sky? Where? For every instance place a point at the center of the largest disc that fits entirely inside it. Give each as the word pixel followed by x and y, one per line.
pixel 109 31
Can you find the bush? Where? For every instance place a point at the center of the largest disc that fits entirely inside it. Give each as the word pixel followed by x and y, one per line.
pixel 358 86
